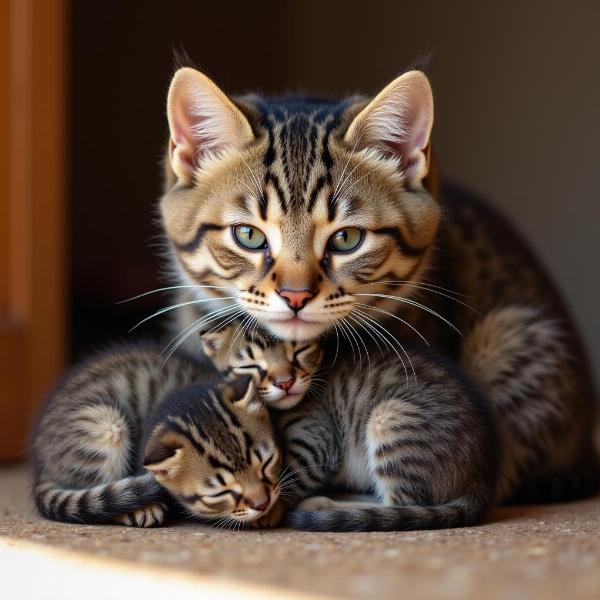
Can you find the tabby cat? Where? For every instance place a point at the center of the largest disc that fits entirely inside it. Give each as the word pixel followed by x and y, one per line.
pixel 126 432
pixel 316 219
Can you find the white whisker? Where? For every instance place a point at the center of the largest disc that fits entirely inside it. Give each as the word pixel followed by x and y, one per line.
pixel 416 304
pixel 180 305
pixel 178 287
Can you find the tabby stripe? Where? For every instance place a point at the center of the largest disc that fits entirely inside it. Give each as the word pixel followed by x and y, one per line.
pixel 193 244
pixel 397 236
pixel 302 444
pixel 315 192
pixel 270 177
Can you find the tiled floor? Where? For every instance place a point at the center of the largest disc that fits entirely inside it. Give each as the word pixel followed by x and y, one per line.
pixel 538 552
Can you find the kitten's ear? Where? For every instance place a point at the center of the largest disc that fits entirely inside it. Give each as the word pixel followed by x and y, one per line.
pixel 212 341
pixel 242 392
pixel 202 121
pixel 398 122
pixel 163 456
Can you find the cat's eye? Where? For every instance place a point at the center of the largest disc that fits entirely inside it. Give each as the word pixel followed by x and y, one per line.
pixel 346 239
pixel 250 237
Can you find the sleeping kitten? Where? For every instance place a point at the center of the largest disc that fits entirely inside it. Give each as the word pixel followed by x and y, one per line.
pixel 209 445
pixel 284 371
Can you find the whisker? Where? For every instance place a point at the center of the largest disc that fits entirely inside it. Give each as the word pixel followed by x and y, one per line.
pixel 361 339
pixel 343 331
pixel 386 335
pixel 249 189
pixel 368 332
pixel 202 321
pixel 416 304
pixel 360 179
pixel 341 180
pixel 387 312
pixel 187 335
pixel 180 305
pixel 177 287
pixel 422 287
pixel 258 188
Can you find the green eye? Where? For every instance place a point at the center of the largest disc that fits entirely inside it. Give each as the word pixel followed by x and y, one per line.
pixel 346 239
pixel 249 237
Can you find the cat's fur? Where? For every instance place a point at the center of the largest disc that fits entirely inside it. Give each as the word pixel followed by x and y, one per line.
pixel 426 448
pixel 126 427
pixel 299 172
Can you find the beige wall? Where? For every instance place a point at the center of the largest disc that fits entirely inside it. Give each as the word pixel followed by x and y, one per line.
pixel 517 88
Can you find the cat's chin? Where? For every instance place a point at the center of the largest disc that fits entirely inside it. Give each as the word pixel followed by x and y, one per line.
pixel 295 330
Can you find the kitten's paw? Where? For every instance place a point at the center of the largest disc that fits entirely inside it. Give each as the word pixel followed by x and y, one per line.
pixel 317 503
pixel 151 515
pixel 271 519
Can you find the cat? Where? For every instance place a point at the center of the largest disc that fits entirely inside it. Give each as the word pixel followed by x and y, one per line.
pixel 315 219
pixel 127 432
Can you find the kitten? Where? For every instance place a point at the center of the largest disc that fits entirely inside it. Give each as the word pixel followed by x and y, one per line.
pixel 317 218
pixel 427 448
pixel 126 432
pixel 284 371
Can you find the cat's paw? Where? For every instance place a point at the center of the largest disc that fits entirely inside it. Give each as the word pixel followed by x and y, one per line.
pixel 151 515
pixel 271 519
pixel 317 503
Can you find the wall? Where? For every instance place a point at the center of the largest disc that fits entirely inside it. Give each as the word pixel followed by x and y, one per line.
pixel 517 88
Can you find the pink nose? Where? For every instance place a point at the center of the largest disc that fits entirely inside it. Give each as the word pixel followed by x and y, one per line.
pixel 261 504
pixel 296 299
pixel 285 384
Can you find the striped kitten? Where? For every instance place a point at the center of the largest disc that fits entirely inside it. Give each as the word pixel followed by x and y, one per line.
pixel 124 434
pixel 284 371
pixel 427 448
pixel 318 218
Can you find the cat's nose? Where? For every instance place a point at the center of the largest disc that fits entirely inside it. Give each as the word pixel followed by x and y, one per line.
pixel 258 500
pixel 284 384
pixel 296 299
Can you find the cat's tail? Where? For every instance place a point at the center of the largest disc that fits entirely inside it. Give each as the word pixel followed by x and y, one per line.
pixel 461 512
pixel 98 504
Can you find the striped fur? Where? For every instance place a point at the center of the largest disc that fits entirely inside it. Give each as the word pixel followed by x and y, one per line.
pixel 284 371
pixel 433 261
pixel 123 433
pixel 426 448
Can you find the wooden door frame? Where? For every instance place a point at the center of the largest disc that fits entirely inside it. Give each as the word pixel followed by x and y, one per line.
pixel 32 210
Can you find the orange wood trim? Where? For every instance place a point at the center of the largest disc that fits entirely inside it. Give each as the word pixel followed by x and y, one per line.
pixel 32 205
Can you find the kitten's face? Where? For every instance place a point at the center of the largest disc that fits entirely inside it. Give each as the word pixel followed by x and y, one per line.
pixel 220 462
pixel 300 218
pixel 283 371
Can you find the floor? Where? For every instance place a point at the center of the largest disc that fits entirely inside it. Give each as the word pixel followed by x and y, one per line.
pixel 536 552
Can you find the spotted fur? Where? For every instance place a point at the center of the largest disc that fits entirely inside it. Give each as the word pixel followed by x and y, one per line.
pixel 127 432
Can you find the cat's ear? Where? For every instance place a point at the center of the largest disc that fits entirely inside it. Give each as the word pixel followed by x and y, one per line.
pixel 398 122
pixel 163 456
pixel 213 341
pixel 243 393
pixel 202 121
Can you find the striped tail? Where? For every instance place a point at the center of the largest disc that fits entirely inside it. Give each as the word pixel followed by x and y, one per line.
pixel 98 504
pixel 461 512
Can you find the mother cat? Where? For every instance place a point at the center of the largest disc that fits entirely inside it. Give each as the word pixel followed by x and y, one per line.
pixel 309 217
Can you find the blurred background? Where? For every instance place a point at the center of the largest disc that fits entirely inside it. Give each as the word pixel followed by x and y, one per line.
pixel 517 89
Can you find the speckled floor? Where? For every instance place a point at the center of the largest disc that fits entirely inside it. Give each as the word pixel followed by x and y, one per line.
pixel 536 552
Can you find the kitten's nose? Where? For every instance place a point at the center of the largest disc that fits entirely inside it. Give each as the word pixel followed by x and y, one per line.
pixel 296 299
pixel 258 500
pixel 284 384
